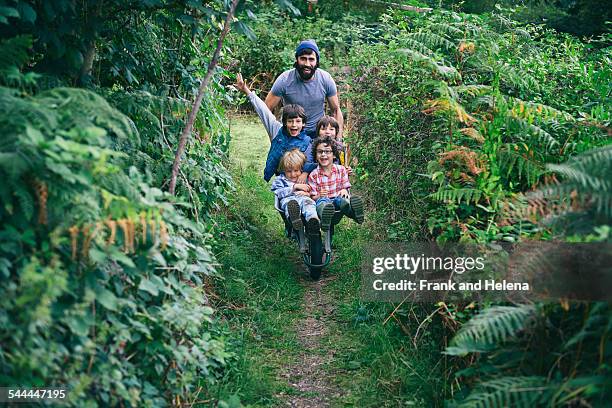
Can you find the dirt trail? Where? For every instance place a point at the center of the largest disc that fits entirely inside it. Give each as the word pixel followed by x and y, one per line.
pixel 308 375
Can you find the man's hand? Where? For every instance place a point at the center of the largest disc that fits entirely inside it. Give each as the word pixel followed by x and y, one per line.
pixel 241 85
pixel 302 178
pixel 344 193
pixel 301 187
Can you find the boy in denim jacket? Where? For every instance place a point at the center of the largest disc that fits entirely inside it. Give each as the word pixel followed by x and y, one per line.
pixel 284 136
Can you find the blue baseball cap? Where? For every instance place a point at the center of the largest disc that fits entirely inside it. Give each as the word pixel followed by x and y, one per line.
pixel 307 45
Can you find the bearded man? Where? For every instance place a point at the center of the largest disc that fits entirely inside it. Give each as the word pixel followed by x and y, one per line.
pixel 309 86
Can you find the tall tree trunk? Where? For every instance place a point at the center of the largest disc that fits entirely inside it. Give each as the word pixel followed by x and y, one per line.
pixel 196 106
pixel 88 60
pixel 90 53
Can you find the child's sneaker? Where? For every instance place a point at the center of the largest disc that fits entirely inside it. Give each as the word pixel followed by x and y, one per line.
pixel 312 226
pixel 327 214
pixel 295 216
pixel 357 207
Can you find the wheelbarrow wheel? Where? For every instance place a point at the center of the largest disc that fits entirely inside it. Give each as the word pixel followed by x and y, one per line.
pixel 316 256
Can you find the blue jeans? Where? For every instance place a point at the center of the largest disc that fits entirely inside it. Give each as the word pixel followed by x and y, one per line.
pixel 307 206
pixel 339 203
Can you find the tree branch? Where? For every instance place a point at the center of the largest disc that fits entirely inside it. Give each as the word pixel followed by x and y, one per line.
pixel 402 6
pixel 196 106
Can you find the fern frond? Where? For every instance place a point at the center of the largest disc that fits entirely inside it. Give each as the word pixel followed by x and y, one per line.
pixel 473 133
pixel 444 70
pixel 525 110
pixel 458 195
pixel 512 78
pixel 580 177
pixel 88 107
pixel 543 137
pixel 412 44
pixel 445 28
pixel 433 40
pixel 493 325
pixel 510 159
pixel 26 201
pixel 596 325
pixel 14 51
pixel 475 30
pixel 596 158
pixel 472 90
pixel 40 115
pixel 516 392
pixel 449 104
pixel 503 21
pixel 587 176
pixel 524 34
pixel 469 158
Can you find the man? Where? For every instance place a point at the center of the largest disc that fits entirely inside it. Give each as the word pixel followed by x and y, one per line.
pixel 309 86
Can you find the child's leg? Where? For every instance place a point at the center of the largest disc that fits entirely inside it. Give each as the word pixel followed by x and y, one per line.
pixel 352 208
pixel 309 210
pixel 307 205
pixel 325 210
pixel 293 213
pixel 343 205
pixel 356 204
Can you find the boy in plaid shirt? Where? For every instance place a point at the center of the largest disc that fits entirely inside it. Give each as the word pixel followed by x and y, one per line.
pixel 329 185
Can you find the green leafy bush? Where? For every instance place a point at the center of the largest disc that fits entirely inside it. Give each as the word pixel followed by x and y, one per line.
pixel 486 118
pixel 460 117
pixel 525 362
pixel 262 59
pixel 203 180
pixel 102 273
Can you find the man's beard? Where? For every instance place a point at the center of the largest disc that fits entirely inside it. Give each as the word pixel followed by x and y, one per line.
pixel 303 75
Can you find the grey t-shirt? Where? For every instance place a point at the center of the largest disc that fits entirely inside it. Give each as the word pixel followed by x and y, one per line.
pixel 311 95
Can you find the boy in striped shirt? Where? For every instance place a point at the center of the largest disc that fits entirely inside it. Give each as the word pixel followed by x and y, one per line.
pixel 329 185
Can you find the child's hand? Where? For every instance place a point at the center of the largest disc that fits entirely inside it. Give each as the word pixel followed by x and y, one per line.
pixel 241 85
pixel 349 170
pixel 302 178
pixel 302 193
pixel 344 193
pixel 323 193
pixel 301 187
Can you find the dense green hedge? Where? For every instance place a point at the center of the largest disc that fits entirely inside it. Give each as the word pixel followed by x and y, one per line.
pixel 446 105
pixel 394 140
pixel 459 118
pixel 103 274
pixel 262 59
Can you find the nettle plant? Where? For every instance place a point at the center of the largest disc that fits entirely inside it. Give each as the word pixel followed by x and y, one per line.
pixel 101 272
pixel 502 123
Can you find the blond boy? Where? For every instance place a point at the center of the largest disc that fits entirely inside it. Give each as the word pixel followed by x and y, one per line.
pixel 294 197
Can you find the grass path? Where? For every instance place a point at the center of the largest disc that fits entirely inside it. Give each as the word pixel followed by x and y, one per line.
pixel 300 343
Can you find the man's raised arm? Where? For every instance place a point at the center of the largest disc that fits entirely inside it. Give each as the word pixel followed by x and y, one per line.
pixel 272 101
